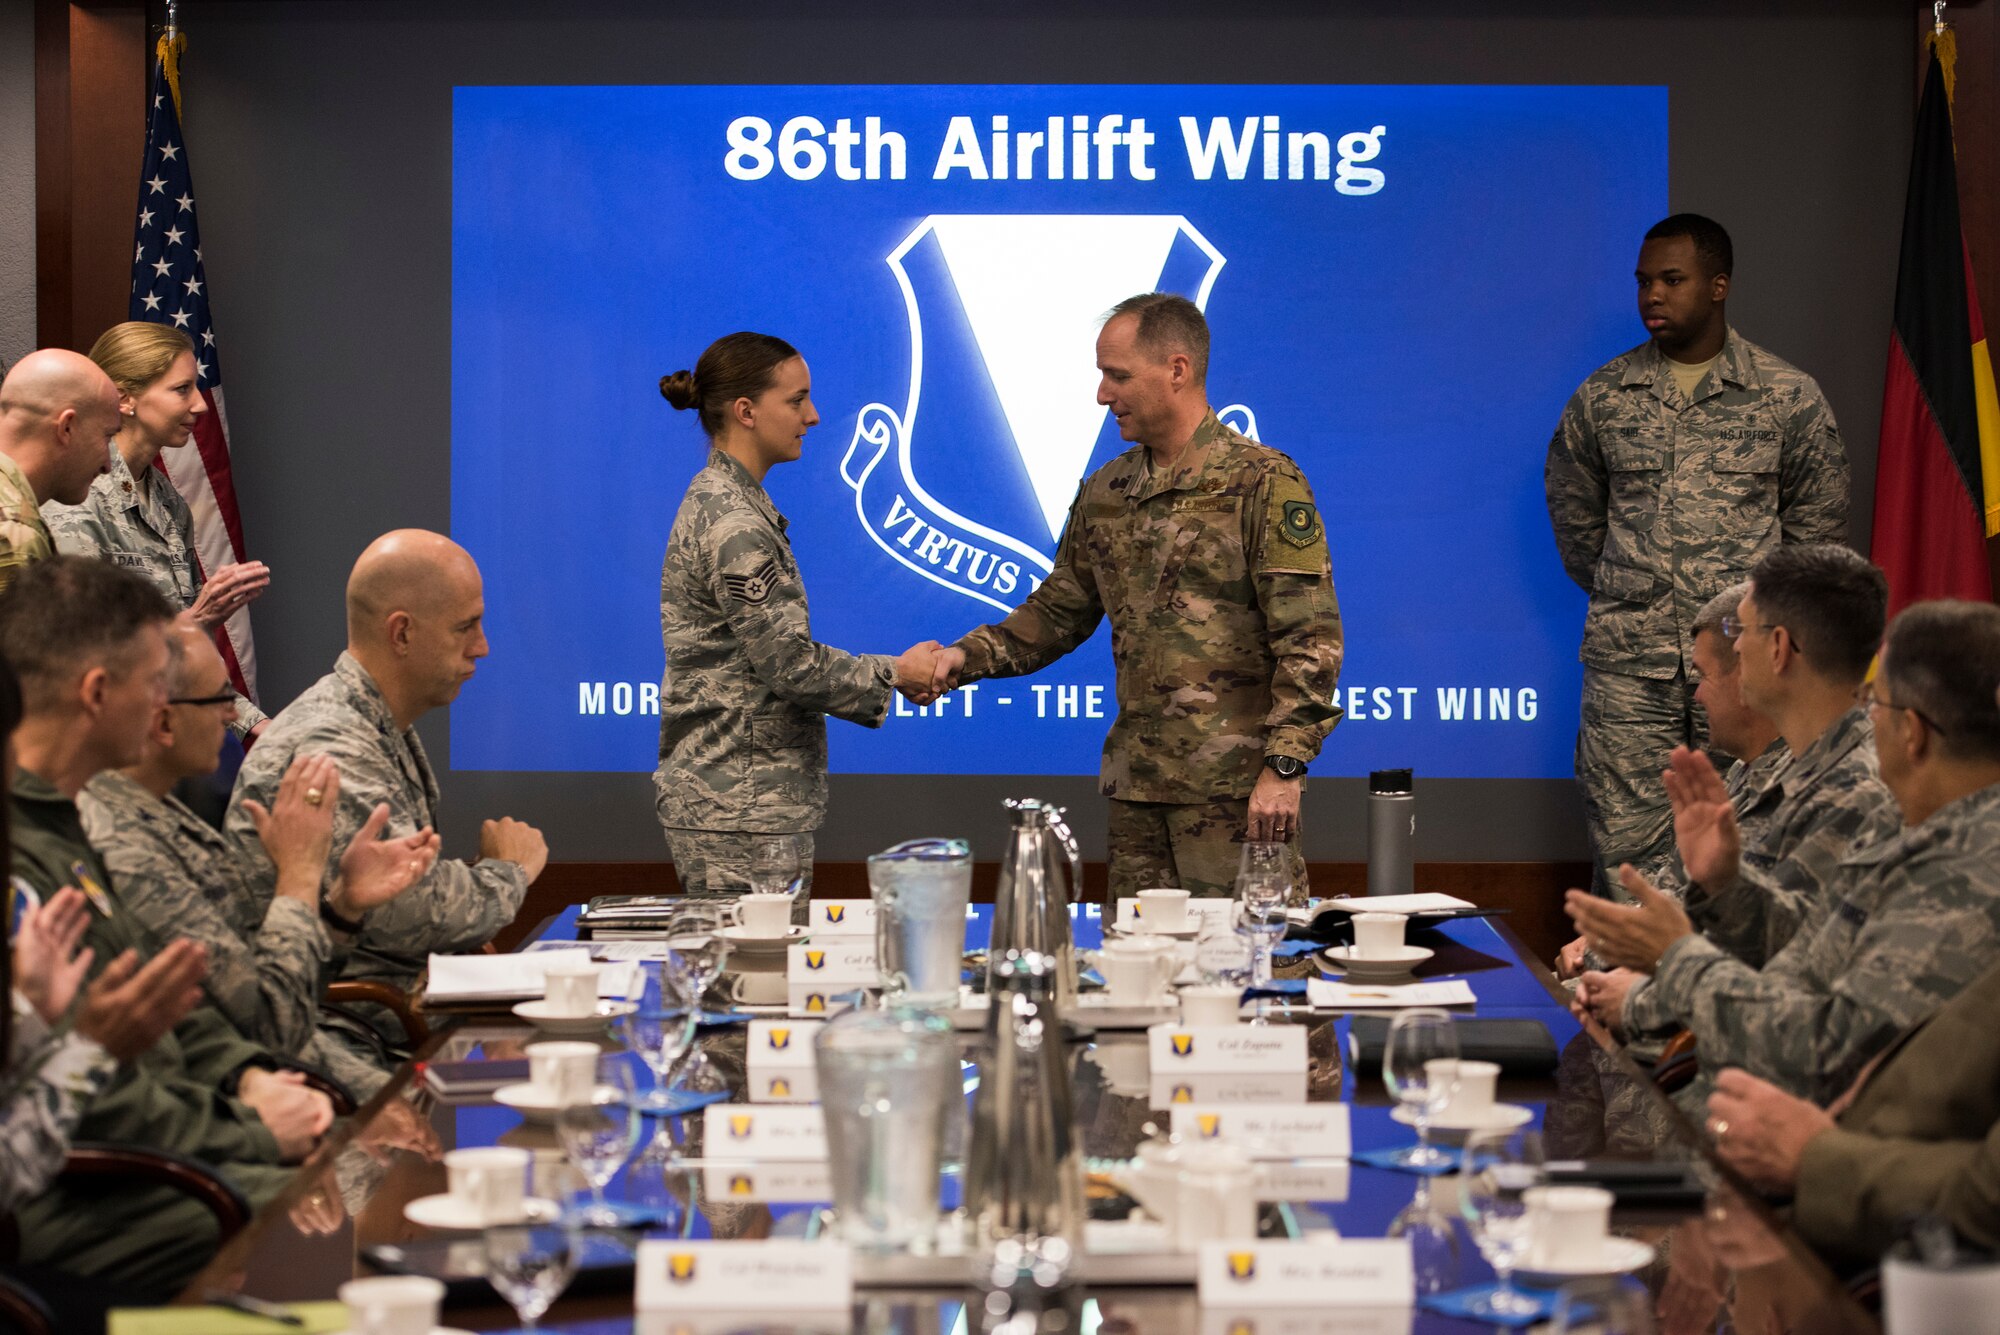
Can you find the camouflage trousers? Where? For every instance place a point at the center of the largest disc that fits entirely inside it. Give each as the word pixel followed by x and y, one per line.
pixel 1192 846
pixel 717 862
pixel 1630 726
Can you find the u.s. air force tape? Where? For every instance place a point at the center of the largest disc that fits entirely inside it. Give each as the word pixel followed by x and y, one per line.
pixel 754 587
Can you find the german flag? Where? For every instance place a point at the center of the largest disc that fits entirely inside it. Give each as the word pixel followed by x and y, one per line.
pixel 1937 485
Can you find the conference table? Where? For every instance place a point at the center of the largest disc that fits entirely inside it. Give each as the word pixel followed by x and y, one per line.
pixel 1726 1258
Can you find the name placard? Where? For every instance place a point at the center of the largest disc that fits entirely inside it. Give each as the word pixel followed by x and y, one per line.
pixel 768 1274
pixel 1269 1131
pixel 780 1084
pixel 1168 1090
pixel 818 1000
pixel 841 917
pixel 786 1043
pixel 1199 912
pixel 1262 1321
pixel 1226 1048
pixel 1347 1273
pixel 1326 994
pixel 802 1182
pixel 841 961
pixel 1327 1181
pixel 763 1131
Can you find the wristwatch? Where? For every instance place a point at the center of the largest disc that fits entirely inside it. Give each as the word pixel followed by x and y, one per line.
pixel 1285 767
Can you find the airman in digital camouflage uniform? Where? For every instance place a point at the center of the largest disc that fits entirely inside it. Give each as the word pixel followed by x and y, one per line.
pixel 1208 554
pixel 1912 918
pixel 58 413
pixel 1674 468
pixel 747 688
pixel 415 614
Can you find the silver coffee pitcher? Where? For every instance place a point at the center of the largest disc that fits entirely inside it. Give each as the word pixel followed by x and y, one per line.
pixel 1032 898
pixel 1025 1179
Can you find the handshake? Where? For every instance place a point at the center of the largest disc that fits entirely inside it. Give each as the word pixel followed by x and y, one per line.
pixel 928 670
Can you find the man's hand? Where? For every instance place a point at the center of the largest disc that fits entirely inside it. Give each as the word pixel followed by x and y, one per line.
pixel 1602 997
pixel 510 840
pixel 1274 808
pixel 948 664
pixel 1630 936
pixel 230 587
pixel 127 1008
pixel 1705 828
pixel 375 870
pixel 296 1115
pixel 297 828
pixel 1569 960
pixel 48 968
pixel 1760 1130
pixel 916 673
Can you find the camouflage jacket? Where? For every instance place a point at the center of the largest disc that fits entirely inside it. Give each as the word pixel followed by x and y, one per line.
pixel 457 906
pixel 1746 783
pixel 177 1095
pixel 24 538
pixel 149 530
pixel 1660 501
pixel 1913 918
pixel 1225 630
pixel 49 1079
pixel 747 688
pixel 268 958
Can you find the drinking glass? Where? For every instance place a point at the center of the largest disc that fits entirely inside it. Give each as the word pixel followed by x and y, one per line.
pixel 1262 895
pixel 696 951
pixel 1604 1305
pixel 658 1032
pixel 599 1135
pixel 1418 1037
pixel 1499 1168
pixel 777 867
pixel 530 1266
pixel 1222 955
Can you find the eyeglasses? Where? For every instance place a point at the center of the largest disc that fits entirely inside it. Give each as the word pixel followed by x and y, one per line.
pixel 225 698
pixel 1733 628
pixel 1864 695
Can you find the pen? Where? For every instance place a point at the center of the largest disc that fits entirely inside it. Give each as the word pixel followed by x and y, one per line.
pixel 257 1307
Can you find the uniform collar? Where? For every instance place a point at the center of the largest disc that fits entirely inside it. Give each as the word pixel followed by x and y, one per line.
pixel 367 696
pixel 12 472
pixel 738 477
pixel 1647 366
pixel 1972 822
pixel 1849 731
pixel 1188 469
pixel 128 797
pixel 32 787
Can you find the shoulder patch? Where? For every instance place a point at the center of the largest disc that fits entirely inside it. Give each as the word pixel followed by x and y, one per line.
pixel 1298 523
pixel 755 587
pixel 1296 540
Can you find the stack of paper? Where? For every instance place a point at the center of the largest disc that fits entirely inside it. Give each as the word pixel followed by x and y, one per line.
pixel 1326 994
pixel 467 978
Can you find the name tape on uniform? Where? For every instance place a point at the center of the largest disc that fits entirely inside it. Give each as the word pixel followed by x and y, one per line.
pixel 1366 1272
pixel 1269 1131
pixel 767 1275
pixel 763 1131
pixel 1226 1049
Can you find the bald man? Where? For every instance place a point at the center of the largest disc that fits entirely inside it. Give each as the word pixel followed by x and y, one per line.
pixel 58 413
pixel 415 605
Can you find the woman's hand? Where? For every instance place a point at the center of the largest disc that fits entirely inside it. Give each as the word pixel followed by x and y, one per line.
pixel 231 587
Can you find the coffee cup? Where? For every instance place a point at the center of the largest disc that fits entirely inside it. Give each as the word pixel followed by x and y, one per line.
pixel 1377 935
pixel 1472 1086
pixel 569 988
pixel 1211 1003
pixel 1163 910
pixel 392 1305
pixel 565 1072
pixel 761 987
pixel 488 1182
pixel 1567 1225
pixel 764 915
pixel 1137 969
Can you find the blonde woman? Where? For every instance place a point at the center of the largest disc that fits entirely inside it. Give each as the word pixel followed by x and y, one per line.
pixel 133 515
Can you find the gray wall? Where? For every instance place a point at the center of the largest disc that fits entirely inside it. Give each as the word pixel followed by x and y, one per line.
pixel 322 138
pixel 17 180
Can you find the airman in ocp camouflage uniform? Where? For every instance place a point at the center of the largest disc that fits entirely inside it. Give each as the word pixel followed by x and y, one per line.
pixel 144 525
pixel 742 705
pixel 24 538
pixel 1666 482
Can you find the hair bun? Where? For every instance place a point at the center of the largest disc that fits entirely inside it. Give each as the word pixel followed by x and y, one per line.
pixel 680 390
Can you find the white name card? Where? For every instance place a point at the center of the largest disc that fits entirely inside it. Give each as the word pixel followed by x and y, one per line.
pixel 1226 1048
pixel 1325 994
pixel 781 1043
pixel 803 1182
pixel 837 961
pixel 842 917
pixel 818 1000
pixel 766 1275
pixel 1273 1321
pixel 1269 1131
pixel 1199 911
pixel 1169 1091
pixel 763 1131
pixel 1370 1272
pixel 780 1084
pixel 1326 1181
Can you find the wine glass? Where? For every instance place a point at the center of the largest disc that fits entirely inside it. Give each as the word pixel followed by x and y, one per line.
pixel 599 1134
pixel 1500 1167
pixel 696 951
pixel 1604 1305
pixel 658 1032
pixel 777 867
pixel 1421 1041
pixel 1222 955
pixel 530 1265
pixel 1262 895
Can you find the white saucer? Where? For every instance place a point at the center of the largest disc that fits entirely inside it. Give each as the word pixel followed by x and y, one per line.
pixel 1393 965
pixel 1496 1117
pixel 537 1014
pixel 435 1330
pixel 742 938
pixel 445 1212
pixel 1616 1256
pixel 538 1105
pixel 1134 927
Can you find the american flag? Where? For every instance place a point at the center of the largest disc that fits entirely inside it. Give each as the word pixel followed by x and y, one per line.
pixel 169 286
